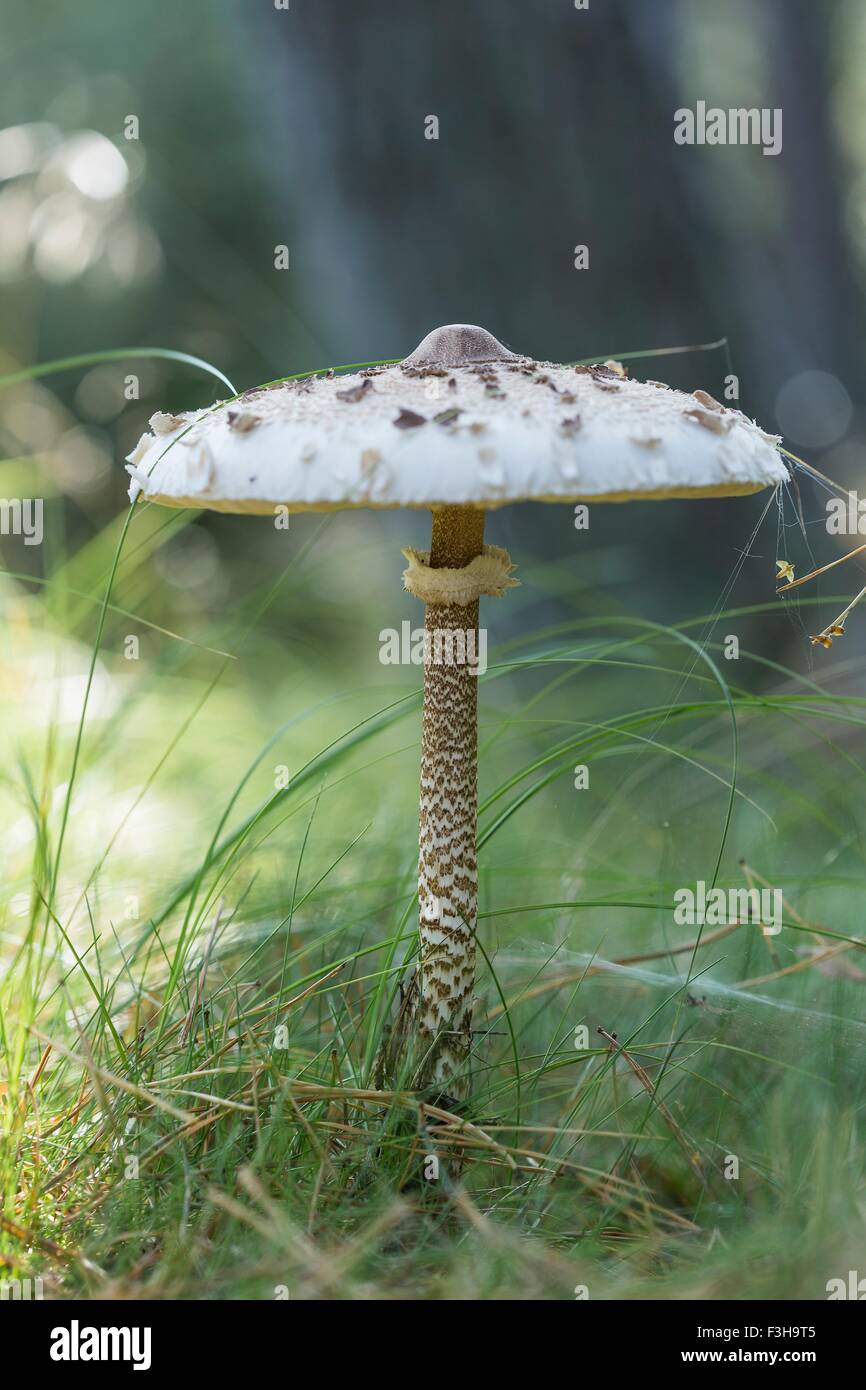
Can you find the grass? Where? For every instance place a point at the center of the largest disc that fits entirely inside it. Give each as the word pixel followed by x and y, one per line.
pixel 208 912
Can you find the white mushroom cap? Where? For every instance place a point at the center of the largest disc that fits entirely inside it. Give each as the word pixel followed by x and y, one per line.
pixel 462 421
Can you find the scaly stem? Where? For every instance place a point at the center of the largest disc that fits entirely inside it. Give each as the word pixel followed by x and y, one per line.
pixel 447 872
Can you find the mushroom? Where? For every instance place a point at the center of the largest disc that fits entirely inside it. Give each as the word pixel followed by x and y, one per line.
pixel 460 426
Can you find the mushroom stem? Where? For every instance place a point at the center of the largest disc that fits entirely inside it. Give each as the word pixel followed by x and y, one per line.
pixel 447 872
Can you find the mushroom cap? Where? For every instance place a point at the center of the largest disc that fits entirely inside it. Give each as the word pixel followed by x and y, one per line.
pixel 460 422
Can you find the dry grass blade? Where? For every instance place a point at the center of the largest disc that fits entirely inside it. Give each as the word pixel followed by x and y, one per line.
pixel 108 1078
pixel 646 1081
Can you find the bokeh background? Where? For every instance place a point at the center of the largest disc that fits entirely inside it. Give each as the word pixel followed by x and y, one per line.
pixel 256 650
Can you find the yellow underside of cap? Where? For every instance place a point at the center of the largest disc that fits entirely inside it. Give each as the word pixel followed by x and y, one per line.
pixel 254 506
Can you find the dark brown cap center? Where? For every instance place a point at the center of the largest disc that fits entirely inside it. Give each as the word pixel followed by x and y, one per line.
pixel 458 345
